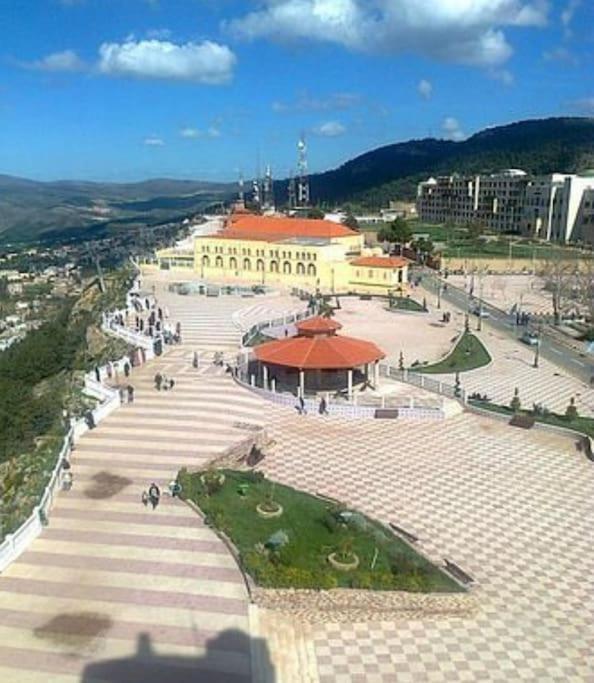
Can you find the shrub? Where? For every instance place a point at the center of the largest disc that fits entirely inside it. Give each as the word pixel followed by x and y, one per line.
pixel 516 403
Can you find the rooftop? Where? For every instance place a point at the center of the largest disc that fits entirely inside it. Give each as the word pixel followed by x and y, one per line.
pixel 380 262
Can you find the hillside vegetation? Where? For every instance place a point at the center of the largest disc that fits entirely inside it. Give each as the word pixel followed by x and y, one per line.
pixel 539 147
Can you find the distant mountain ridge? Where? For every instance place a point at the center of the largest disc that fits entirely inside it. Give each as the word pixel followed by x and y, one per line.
pixel 536 146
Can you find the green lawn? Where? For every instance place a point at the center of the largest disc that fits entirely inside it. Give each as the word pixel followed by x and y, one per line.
pixel 585 425
pixel 314 531
pixel 402 303
pixel 468 354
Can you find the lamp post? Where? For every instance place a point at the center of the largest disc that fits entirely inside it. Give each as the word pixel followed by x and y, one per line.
pixel 479 326
pixel 536 353
pixel 439 294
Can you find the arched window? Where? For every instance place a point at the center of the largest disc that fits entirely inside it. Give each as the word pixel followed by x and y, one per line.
pixel 274 266
pixel 247 264
pixel 300 269
pixel 206 261
pixel 286 268
pixel 260 264
pixel 311 270
pixel 233 263
pixel 219 262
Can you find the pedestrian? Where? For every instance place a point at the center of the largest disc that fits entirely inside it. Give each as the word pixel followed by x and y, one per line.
pixel 145 498
pixel 154 495
pixel 174 488
pixel 171 383
pixel 127 369
pixel 122 395
pixel 158 381
pixel 323 408
pixel 160 313
pixel 130 393
pixel 195 360
pixel 97 373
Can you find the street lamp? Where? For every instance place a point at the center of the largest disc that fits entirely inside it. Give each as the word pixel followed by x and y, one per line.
pixel 536 353
pixel 439 295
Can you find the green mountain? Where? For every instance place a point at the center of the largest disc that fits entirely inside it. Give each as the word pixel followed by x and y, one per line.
pixel 392 172
pixel 31 210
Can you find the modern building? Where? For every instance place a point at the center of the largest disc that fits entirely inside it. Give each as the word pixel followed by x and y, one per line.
pixel 291 252
pixel 556 207
pixel 493 201
pixel 559 207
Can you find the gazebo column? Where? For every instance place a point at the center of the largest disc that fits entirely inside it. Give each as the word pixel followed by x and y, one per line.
pixel 302 383
pixel 265 376
pixel 376 374
pixel 350 383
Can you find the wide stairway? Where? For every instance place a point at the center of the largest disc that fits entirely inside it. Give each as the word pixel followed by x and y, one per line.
pixel 115 591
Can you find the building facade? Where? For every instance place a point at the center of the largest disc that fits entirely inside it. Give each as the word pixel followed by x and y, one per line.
pixel 290 252
pixel 555 207
pixel 493 201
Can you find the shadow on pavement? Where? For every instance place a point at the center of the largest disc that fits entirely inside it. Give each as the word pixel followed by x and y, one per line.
pixel 226 660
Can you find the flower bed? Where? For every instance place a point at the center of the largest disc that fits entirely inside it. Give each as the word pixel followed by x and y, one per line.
pixel 292 551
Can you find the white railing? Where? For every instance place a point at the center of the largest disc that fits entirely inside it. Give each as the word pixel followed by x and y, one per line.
pixel 16 543
pixel 278 325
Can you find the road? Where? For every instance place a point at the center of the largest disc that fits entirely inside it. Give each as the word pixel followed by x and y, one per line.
pixel 579 365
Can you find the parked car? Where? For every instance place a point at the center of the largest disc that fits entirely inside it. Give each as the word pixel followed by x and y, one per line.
pixel 530 338
pixel 481 312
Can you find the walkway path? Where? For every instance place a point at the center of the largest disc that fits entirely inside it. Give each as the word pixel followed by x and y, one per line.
pixel 110 580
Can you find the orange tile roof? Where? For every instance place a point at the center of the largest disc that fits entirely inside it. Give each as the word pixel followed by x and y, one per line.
pixel 380 262
pixel 282 227
pixel 318 325
pixel 319 353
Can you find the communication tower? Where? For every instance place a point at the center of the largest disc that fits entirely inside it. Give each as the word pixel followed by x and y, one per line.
pixel 302 180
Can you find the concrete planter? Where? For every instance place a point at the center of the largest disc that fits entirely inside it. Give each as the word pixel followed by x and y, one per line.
pixel 343 566
pixel 269 514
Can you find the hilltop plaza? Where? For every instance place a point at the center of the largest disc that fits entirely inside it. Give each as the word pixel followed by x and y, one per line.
pixel 112 590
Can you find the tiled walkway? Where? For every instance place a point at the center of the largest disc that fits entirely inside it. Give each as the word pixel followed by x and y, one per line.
pixel 113 591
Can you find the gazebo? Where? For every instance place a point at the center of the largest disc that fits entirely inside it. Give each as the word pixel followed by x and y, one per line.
pixel 318 359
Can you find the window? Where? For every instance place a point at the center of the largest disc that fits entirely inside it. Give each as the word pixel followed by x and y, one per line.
pixel 287 268
pixel 300 269
pixel 219 262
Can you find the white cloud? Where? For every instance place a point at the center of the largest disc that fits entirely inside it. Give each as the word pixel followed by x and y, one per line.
pixel 562 55
pixel 67 60
pixel 154 141
pixel 338 101
pixel 462 31
pixel 568 13
pixel 425 89
pixel 190 133
pixel 330 129
pixel 503 75
pixel 205 62
pixel 451 129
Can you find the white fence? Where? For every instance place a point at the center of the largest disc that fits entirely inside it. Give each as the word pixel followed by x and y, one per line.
pixel 16 543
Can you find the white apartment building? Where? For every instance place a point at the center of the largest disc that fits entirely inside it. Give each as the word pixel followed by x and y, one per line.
pixel 493 201
pixel 557 207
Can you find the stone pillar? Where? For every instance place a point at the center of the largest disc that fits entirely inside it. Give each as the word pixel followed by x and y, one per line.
pixel 264 377
pixel 302 383
pixel 376 374
pixel 350 383
pixel 273 385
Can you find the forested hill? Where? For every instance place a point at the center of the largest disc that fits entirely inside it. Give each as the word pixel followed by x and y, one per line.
pixel 538 146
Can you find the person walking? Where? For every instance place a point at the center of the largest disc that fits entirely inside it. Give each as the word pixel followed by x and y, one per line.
pixel 122 396
pixel 158 381
pixel 145 498
pixel 323 408
pixel 154 494
pixel 195 360
pixel 130 393
pixel 127 369
pixel 97 373
pixel 171 383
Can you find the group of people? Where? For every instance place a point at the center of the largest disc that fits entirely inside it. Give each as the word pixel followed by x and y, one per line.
pixel 153 494
pixel 302 408
pixel 126 394
pixel 163 383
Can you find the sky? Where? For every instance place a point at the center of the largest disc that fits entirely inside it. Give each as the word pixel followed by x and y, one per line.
pixel 123 90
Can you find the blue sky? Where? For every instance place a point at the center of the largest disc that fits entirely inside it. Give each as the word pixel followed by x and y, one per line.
pixel 130 89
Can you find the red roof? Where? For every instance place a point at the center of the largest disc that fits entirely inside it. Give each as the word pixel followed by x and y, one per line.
pixel 318 325
pixel 319 353
pixel 274 227
pixel 380 262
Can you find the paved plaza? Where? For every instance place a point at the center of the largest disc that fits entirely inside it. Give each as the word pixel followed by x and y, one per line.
pixel 113 591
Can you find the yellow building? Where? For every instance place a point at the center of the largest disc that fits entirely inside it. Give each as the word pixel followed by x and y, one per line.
pixel 292 252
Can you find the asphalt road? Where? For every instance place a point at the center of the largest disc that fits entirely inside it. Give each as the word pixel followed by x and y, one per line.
pixel 579 365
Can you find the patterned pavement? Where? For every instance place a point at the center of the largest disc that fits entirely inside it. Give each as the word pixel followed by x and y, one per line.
pixel 114 591
pixel 513 509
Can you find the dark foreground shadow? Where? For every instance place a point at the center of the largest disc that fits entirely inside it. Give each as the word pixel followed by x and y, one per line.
pixel 226 660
